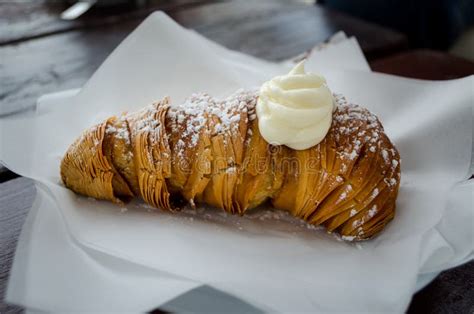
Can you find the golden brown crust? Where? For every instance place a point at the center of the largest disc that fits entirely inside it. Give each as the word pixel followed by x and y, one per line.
pixel 86 170
pixel 151 153
pixel 118 147
pixel 350 180
pixel 210 151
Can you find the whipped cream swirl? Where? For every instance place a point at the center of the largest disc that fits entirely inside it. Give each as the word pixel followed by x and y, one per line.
pixel 295 109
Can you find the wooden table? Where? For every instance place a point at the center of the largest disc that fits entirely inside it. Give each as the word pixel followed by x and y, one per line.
pixel 40 54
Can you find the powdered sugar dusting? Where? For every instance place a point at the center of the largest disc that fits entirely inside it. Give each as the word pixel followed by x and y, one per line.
pixel 394 163
pixel 373 211
pixel 119 132
pixel 148 121
pixel 385 155
pixel 362 128
pixel 193 115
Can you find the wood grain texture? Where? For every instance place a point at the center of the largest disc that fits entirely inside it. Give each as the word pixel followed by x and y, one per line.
pixel 272 30
pixel 26 20
pixel 23 20
pixel 275 30
pixel 36 67
pixel 451 292
pixel 16 198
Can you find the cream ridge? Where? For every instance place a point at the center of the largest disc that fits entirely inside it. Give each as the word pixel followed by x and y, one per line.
pixel 295 109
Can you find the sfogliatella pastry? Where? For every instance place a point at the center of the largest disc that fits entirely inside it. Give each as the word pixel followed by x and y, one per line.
pixel 292 143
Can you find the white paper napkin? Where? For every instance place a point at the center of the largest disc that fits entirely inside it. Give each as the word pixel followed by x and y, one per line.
pixel 76 279
pixel 271 264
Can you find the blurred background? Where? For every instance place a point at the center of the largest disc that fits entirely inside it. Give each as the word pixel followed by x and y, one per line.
pixel 443 25
pixel 51 45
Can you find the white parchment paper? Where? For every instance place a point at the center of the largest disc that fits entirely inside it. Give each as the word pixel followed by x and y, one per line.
pixel 273 263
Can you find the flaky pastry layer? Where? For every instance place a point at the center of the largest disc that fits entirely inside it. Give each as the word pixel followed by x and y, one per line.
pixel 209 151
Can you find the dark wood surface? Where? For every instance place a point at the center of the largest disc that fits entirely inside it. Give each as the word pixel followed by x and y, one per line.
pixel 424 64
pixel 67 59
pixel 40 54
pixel 27 20
pixel 276 20
pixel 16 198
